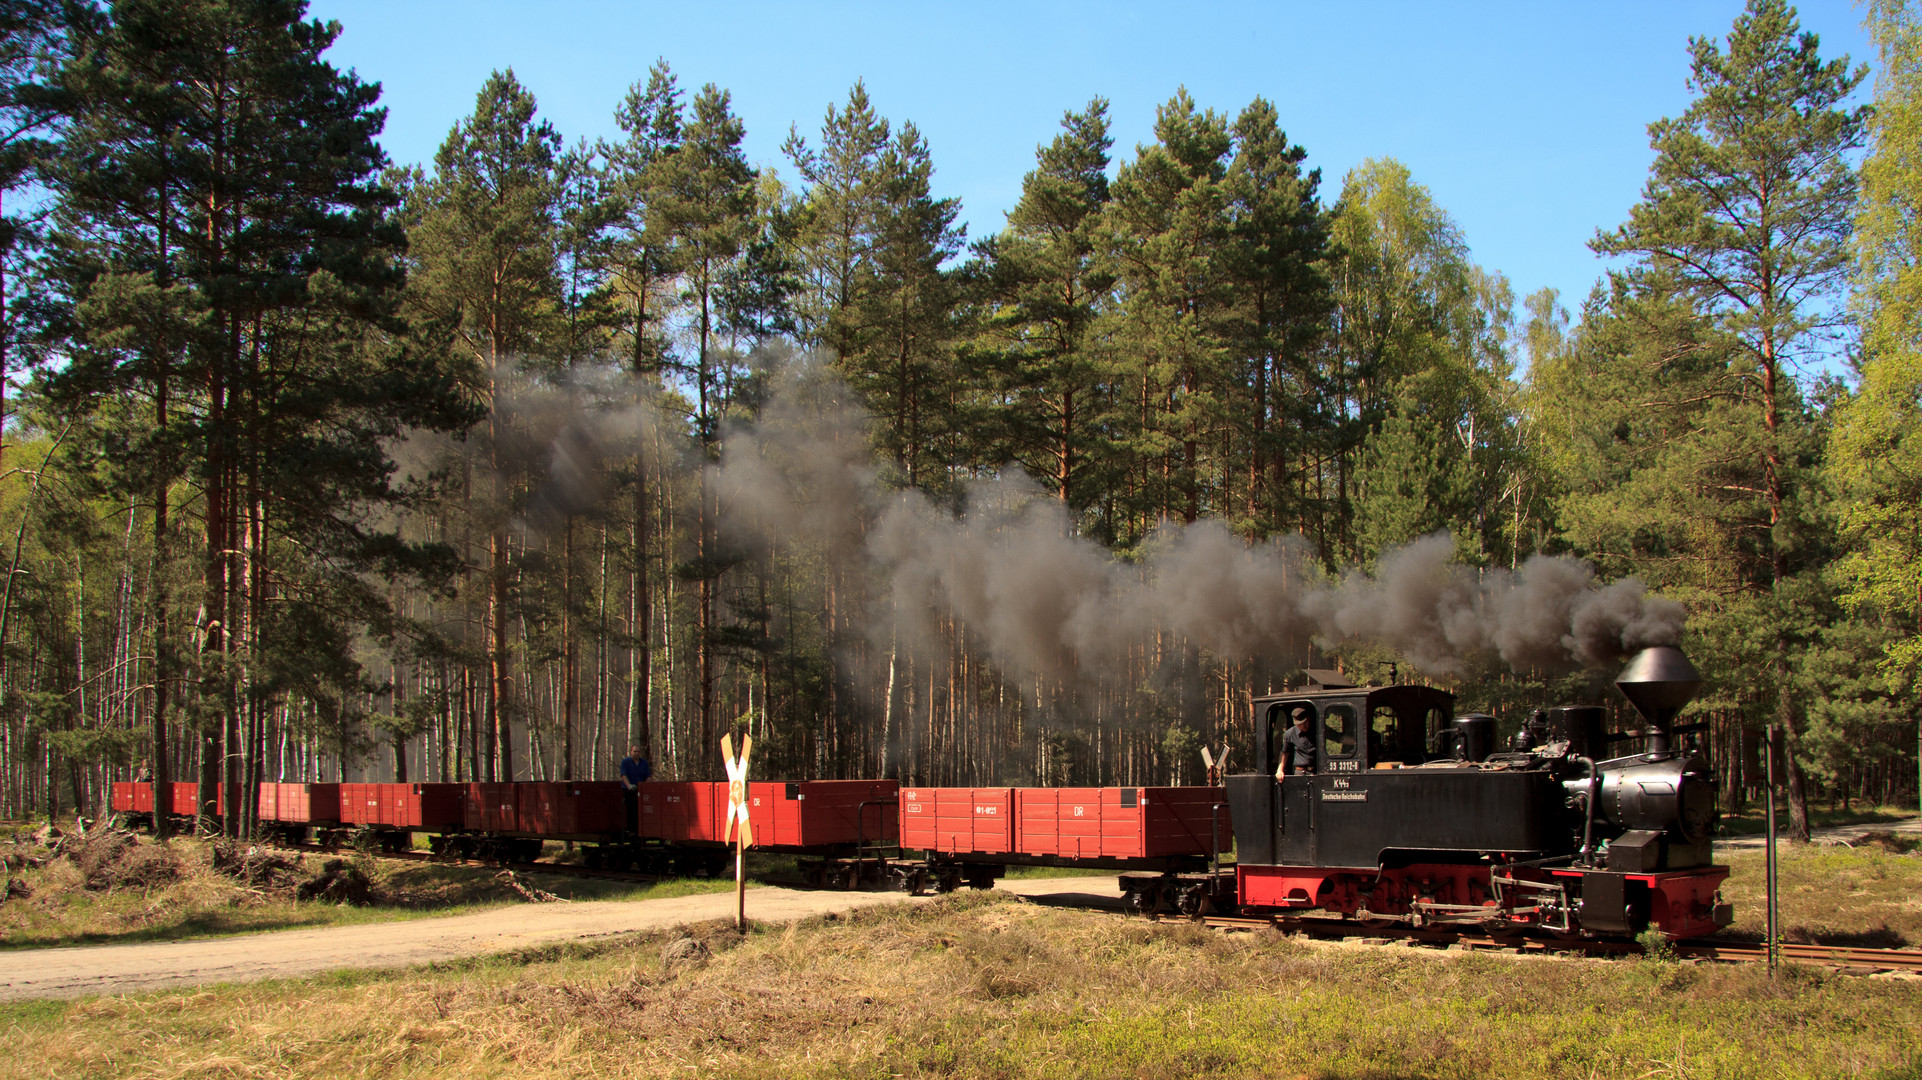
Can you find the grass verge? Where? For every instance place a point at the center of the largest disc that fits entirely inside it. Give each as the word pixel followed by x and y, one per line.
pixel 978 985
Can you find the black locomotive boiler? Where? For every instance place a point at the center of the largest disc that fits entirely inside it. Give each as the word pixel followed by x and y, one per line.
pixel 1411 815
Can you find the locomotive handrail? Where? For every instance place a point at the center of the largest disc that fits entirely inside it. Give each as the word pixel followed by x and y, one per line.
pixel 1679 729
pixel 1214 837
pixel 1531 863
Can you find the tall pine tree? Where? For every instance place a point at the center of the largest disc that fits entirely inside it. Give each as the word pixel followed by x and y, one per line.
pixel 1747 210
pixel 484 254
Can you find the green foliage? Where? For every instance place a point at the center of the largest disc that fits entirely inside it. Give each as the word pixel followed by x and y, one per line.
pixel 484 246
pixel 1044 292
pixel 1424 342
pixel 1166 217
pixel 1747 203
pixel 1655 946
pixel 1876 455
pixel 1180 749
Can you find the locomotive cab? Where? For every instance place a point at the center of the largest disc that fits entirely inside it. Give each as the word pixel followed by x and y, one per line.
pixel 1357 728
pixel 1388 785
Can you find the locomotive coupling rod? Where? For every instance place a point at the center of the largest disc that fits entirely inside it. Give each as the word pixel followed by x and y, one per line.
pixel 1541 886
pixel 1364 913
pixel 1429 905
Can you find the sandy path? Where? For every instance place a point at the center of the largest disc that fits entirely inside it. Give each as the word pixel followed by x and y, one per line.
pixel 113 969
pixel 1839 834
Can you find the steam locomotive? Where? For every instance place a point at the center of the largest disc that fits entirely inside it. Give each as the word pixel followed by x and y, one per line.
pixel 1408 815
pixel 1412 816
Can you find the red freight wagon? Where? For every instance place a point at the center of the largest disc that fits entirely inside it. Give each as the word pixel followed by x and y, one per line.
pixel 571 808
pixel 187 798
pixel 678 811
pixel 1115 823
pixel 360 804
pixel 534 807
pixel 489 807
pixel 597 806
pixel 300 804
pixel 268 803
pixel 129 797
pixel 958 819
pixel 823 813
pixel 421 806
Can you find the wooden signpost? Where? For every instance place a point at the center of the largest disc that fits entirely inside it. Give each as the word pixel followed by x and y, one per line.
pixel 737 812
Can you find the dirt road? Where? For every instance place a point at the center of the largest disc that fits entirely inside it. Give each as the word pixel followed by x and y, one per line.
pixel 113 969
pixel 1838 834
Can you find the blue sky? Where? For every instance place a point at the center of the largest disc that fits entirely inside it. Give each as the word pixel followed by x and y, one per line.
pixel 1526 120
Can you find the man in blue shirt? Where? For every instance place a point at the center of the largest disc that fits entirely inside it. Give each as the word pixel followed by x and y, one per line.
pixel 634 768
pixel 634 771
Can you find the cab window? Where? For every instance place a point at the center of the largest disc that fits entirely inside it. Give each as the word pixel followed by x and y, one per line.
pixel 1384 735
pixel 1438 723
pixel 1339 728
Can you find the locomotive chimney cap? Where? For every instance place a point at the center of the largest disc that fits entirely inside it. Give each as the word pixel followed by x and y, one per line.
pixel 1658 681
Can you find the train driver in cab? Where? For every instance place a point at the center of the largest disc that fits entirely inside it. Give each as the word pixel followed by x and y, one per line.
pixel 1298 746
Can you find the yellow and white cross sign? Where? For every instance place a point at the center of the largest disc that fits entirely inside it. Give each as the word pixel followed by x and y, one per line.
pixel 1217 767
pixel 737 807
pixel 737 800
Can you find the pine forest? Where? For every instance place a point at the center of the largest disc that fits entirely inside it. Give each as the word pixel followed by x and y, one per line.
pixel 319 468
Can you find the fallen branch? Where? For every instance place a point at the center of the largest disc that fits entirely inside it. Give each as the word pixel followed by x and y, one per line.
pixel 527 892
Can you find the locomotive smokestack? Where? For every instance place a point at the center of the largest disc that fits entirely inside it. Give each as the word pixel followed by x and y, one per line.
pixel 1658 681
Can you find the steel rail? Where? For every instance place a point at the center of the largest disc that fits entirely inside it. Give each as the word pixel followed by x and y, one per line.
pixel 1847 958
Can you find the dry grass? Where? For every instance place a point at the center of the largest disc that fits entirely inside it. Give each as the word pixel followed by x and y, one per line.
pixel 978 985
pixel 120 888
pixel 1867 896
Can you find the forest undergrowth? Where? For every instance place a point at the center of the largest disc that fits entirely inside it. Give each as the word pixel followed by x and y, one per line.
pixel 111 886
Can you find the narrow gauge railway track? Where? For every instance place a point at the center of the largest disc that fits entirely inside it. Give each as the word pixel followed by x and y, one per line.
pixel 1860 961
